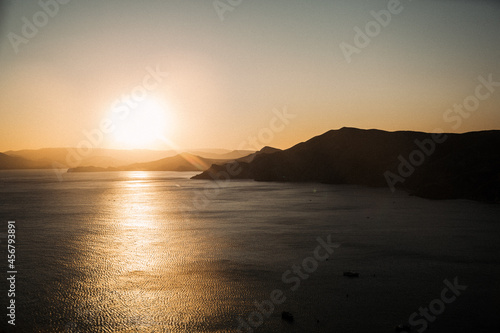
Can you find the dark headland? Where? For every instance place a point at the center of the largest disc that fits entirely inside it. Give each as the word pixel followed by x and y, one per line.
pixel 434 166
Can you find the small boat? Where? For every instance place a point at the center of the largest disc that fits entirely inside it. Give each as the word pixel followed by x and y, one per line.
pixel 351 274
pixel 403 329
pixel 287 316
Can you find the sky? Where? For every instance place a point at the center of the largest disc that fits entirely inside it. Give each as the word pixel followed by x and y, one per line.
pixel 242 74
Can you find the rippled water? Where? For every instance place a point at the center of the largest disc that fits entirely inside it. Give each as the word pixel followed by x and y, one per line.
pixel 158 252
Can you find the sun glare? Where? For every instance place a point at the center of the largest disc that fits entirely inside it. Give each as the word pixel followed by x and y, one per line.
pixel 141 127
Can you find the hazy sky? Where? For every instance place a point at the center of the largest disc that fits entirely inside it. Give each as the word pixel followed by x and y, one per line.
pixel 218 81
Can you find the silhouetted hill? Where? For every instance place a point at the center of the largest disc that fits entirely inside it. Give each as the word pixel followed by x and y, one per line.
pixel 180 162
pixel 251 157
pixel 12 162
pixel 221 154
pixel 439 167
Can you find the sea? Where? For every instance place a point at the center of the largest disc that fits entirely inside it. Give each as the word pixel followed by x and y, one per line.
pixel 160 252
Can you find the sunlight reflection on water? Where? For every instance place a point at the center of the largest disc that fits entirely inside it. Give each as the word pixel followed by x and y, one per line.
pixel 142 271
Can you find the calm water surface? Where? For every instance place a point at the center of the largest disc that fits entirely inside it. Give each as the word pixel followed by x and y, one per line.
pixel 158 252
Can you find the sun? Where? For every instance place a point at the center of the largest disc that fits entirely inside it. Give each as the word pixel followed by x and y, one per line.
pixel 141 126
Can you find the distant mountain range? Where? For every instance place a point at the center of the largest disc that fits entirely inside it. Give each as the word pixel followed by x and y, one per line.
pixel 436 166
pixel 100 158
pixel 446 166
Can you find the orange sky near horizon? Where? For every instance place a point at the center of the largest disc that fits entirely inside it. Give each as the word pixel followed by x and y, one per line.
pixel 163 75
